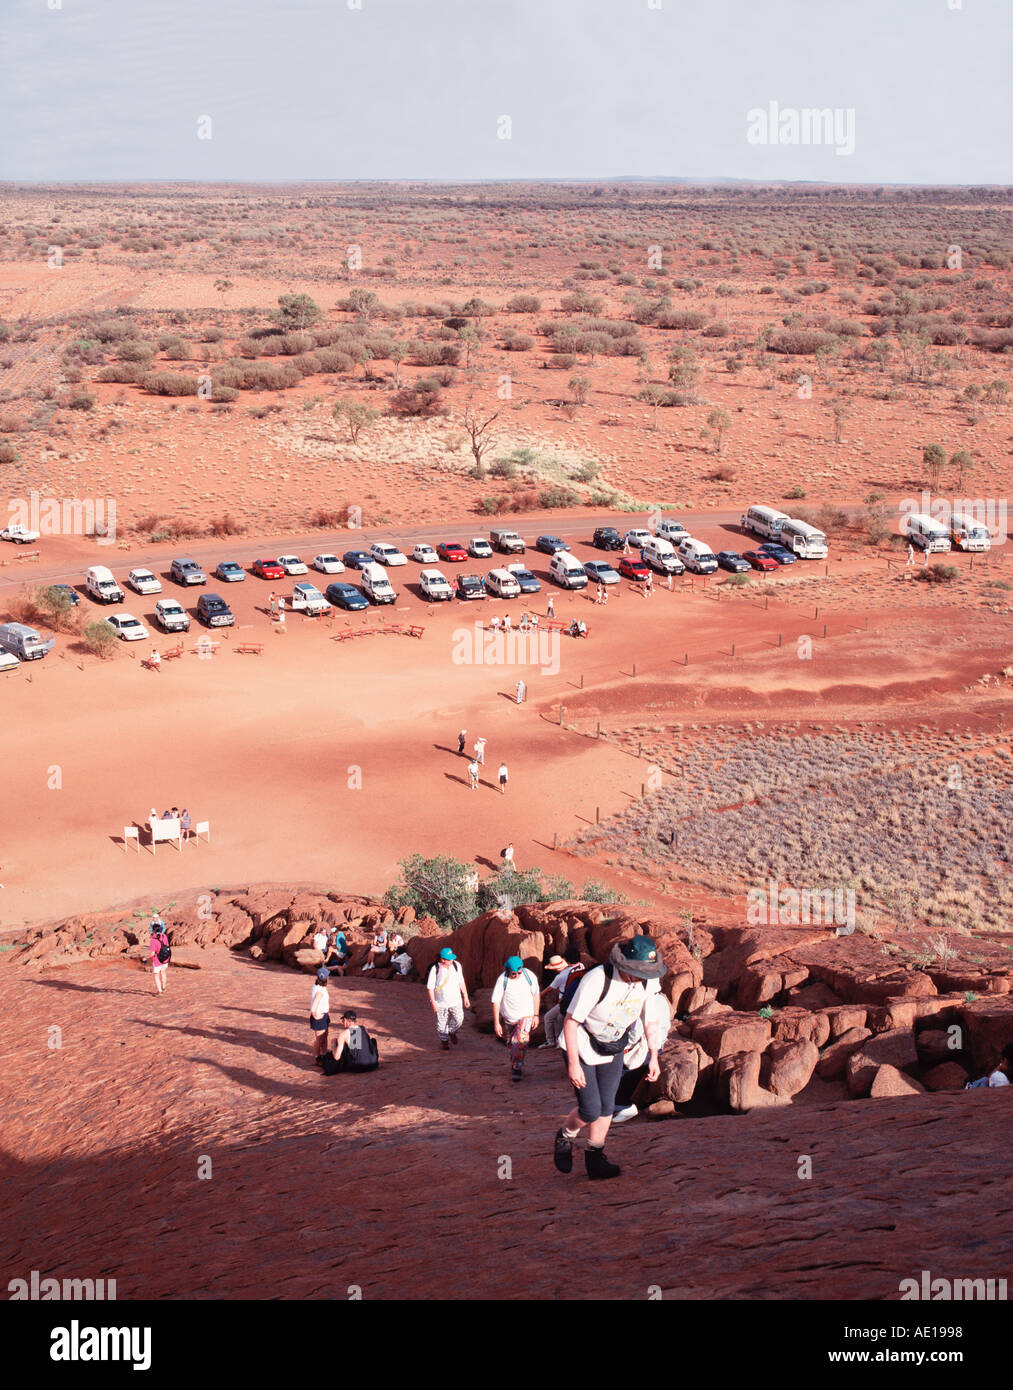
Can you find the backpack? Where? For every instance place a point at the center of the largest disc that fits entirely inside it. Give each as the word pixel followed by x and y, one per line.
pixel 164 950
pixel 603 1049
pixel 574 980
pixel 363 1053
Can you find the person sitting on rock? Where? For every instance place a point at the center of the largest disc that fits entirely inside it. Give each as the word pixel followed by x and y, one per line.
pixel 336 954
pixel 378 948
pixel 353 1049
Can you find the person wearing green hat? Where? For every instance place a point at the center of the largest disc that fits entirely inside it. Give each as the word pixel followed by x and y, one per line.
pixel 516 1001
pixel 448 995
pixel 601 1015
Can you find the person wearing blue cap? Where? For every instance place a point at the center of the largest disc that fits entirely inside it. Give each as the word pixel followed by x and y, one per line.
pixel 516 1001
pixel 448 995
pixel 596 1032
pixel 320 1015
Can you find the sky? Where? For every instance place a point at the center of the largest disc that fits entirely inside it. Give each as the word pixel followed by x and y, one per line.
pixel 292 90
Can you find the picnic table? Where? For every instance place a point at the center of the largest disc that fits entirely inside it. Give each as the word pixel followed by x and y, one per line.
pixel 251 648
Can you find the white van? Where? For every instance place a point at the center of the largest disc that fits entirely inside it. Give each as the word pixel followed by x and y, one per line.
pixel 566 569
pixel 671 530
pixel 805 541
pixel 766 522
pixel 375 584
pixel 24 642
pixel 697 556
pixel 967 533
pixel 504 584
pixel 660 555
pixel 926 532
pixel 99 584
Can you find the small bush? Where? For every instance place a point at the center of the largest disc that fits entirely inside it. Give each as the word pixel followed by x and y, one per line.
pixel 418 402
pixel 559 496
pixel 135 350
pixel 796 494
pixel 680 318
pixel 8 453
pixel 799 342
pixel 81 400
pixel 126 373
pixel 99 639
pixel 938 574
pixel 523 304
pixel 169 383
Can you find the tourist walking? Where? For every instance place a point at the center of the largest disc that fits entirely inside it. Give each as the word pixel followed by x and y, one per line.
pixel 161 954
pixel 320 1015
pixel 460 740
pixel 473 774
pixel 596 1032
pixel 552 996
pixel 522 691
pixel 281 611
pixel 504 777
pixel 507 856
pixel 515 1007
pixel 550 611
pixel 448 995
pixel 480 752
pixel 272 604
pixel 910 554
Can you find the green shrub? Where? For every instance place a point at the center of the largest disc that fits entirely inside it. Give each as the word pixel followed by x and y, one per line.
pixel 436 888
pixel 523 304
pixel 169 383
pixel 99 639
pixel 81 400
pixel 559 496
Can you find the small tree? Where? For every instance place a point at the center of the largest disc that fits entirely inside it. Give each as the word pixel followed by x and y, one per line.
pixel 933 461
pixel 995 392
pixel 652 395
pixel 579 386
pixel 962 460
pixel 441 888
pixel 295 311
pixel 363 302
pixel 357 416
pixel 478 434
pixel 100 640
pixel 56 604
pixel 469 337
pixel 718 421
pixel 399 350
pixel 223 287
pixel 839 410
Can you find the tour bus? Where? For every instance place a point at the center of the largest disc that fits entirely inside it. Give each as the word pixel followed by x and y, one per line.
pixel 927 533
pixel 807 542
pixel 967 533
pixel 766 522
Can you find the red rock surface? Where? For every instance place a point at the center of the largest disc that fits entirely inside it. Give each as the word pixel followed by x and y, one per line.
pixel 104 1136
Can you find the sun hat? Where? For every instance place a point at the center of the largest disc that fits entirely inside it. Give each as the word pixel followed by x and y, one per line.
pixel 638 956
pixel 323 975
pixel 447 954
pixel 514 963
pixel 555 963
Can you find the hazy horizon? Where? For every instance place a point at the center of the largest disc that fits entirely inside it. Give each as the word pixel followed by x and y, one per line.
pixel 612 91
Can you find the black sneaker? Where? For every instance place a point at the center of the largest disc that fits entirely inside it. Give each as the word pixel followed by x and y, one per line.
pixel 445 1046
pixel 453 1038
pixel 598 1166
pixel 517 1074
pixel 562 1152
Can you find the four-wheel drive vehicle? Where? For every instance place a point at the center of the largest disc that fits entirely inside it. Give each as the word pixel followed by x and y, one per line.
pixel 144 582
pixel 307 598
pixel 506 542
pixel 187 572
pixel 375 584
pixel 24 642
pixel 171 616
pixel 386 554
pixel 20 535
pixel 637 538
pixel 100 585
pixel 470 586
pixel 503 584
pixel 213 611
pixel 435 585
pixel 607 538
pixel 671 530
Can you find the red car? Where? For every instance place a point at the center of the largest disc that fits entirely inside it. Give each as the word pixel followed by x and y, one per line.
pixel 633 569
pixel 759 561
pixel 451 550
pixel 268 569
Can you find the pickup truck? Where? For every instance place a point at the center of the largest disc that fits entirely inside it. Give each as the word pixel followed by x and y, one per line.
pixel 20 535
pixel 307 598
pixel 508 542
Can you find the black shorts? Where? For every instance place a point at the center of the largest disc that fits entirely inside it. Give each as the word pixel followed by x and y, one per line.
pixel 320 1025
pixel 597 1099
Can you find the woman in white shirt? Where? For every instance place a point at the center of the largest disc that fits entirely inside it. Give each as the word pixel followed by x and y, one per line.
pixel 320 1015
pixel 596 1032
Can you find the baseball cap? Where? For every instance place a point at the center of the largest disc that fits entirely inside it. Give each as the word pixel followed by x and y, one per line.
pixel 514 963
pixel 323 974
pixel 447 954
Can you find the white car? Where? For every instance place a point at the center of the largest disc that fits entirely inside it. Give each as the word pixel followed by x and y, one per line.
pixel 8 661
pixel 127 627
pixel 435 585
pixel 144 582
pixel 425 554
pixel 637 538
pixel 291 564
pixel 328 564
pixel 386 554
pixel 480 548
